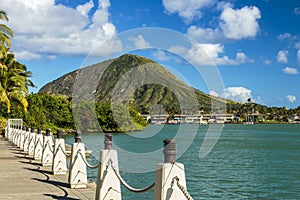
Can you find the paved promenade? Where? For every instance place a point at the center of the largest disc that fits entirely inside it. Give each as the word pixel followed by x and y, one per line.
pixel 23 178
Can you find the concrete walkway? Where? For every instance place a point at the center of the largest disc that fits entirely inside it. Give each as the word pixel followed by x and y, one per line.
pixel 25 179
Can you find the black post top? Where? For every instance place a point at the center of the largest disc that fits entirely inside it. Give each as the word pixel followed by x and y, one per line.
pixel 170 150
pixel 77 137
pixel 47 132
pixel 59 134
pixel 169 141
pixel 108 137
pixel 108 141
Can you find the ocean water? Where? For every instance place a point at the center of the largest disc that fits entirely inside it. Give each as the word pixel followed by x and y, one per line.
pixel 242 161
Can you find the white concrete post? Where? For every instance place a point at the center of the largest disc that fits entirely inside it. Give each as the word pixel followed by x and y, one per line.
pixel 10 132
pixel 47 154
pixel 31 143
pixel 165 186
pixel 78 172
pixel 38 148
pixel 13 134
pixel 59 163
pixel 18 138
pixel 26 140
pixel 108 184
pixel 22 138
pixel 7 129
pixel 16 135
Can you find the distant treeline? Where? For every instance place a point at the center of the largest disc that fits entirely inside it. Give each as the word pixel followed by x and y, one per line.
pixel 55 112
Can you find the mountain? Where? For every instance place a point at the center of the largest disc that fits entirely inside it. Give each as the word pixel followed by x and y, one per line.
pixel 136 80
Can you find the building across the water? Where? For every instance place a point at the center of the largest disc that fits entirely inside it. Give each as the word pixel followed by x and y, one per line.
pixel 191 119
pixel 294 119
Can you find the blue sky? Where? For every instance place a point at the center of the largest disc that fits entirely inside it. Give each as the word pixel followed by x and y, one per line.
pixel 254 45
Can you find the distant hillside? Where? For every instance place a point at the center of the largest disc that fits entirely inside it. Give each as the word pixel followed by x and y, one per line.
pixel 144 82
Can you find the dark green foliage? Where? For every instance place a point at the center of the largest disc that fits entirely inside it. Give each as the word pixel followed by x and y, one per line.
pixel 45 111
pixel 2 125
pixel 119 118
pixel 55 112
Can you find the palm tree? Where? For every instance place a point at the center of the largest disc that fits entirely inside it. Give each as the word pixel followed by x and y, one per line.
pixel 5 34
pixel 14 83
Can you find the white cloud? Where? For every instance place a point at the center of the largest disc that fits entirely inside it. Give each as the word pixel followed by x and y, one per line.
pixel 187 9
pixel 204 34
pixel 290 70
pixel 298 56
pixel 25 55
pixel 139 42
pixel 282 56
pixel 161 56
pixel 291 98
pixel 297 11
pixel 45 32
pixel 85 8
pixel 240 94
pixel 240 23
pixel 234 24
pixel 208 54
pixel 51 57
pixel 241 57
pixel 267 62
pixel 214 93
pixel 108 47
pixel 285 36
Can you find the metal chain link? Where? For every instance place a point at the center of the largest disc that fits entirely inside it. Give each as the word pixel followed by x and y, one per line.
pixel 86 162
pixel 50 147
pixel 128 187
pixel 59 147
pixel 182 188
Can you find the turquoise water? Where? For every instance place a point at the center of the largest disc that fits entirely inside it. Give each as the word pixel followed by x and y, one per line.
pixel 247 162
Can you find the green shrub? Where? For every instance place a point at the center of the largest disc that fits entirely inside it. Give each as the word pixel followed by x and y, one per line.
pixel 2 125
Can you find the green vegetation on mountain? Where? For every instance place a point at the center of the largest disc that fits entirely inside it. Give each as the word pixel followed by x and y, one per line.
pixel 142 82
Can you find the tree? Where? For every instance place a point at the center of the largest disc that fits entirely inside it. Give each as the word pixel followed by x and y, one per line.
pixel 14 82
pixel 5 34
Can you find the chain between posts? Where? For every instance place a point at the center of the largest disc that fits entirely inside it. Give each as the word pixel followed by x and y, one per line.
pixel 128 187
pixel 50 147
pixel 182 188
pixel 86 162
pixel 59 147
